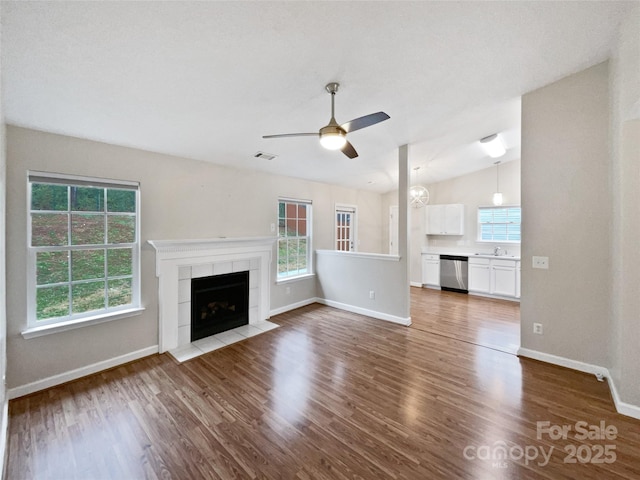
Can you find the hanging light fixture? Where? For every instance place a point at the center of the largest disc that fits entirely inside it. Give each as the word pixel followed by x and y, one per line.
pixel 418 195
pixel 497 197
pixel 493 146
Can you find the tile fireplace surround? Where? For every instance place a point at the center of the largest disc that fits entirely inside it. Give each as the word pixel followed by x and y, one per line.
pixel 177 261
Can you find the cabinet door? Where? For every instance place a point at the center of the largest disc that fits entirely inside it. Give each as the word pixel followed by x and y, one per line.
pixel 431 269
pixel 503 279
pixel 432 273
pixel 453 219
pixel 479 278
pixel 435 219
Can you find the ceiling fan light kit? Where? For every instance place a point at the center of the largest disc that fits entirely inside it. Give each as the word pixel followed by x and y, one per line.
pixel 493 145
pixel 333 136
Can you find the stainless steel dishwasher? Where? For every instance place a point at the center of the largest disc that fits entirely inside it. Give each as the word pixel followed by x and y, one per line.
pixel 454 272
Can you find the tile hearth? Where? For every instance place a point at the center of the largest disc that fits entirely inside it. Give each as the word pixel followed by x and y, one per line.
pixel 219 340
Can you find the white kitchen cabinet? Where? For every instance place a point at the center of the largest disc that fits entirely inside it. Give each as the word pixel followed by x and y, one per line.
pixel 445 219
pixel 503 278
pixel 479 275
pixel 494 277
pixel 431 270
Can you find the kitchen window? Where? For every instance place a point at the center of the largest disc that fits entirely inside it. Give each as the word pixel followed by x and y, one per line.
pixel 83 249
pixel 294 238
pixel 499 224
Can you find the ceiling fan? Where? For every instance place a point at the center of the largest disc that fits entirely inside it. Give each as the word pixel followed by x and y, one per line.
pixel 333 136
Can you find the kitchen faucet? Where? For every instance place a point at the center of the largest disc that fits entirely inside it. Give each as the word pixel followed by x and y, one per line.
pixel 496 251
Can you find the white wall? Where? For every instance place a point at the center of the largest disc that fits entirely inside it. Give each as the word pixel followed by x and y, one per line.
pixel 625 254
pixel 180 199
pixel 566 202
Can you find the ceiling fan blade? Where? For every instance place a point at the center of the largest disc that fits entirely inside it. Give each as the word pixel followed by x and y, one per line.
pixel 366 121
pixel 349 151
pixel 283 135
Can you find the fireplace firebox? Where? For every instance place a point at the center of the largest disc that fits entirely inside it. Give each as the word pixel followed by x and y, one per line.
pixel 219 303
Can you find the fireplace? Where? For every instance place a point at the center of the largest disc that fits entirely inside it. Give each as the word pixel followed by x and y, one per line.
pixel 180 261
pixel 219 303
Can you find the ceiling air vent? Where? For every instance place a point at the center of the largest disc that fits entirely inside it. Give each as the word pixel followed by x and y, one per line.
pixel 265 155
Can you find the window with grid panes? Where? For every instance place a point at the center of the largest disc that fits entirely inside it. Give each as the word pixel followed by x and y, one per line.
pixel 294 238
pixel 83 248
pixel 499 224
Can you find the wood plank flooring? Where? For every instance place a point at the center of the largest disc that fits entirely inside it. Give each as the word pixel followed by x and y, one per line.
pixel 330 396
pixel 482 321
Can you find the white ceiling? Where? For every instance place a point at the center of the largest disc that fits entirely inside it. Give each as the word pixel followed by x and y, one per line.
pixel 206 80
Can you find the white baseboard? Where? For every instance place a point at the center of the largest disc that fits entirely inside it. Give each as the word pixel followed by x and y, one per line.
pixel 293 306
pixel 563 362
pixel 363 311
pixel 415 284
pixel 79 372
pixel 621 407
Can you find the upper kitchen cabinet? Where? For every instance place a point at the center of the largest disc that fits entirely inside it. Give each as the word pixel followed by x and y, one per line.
pixel 445 219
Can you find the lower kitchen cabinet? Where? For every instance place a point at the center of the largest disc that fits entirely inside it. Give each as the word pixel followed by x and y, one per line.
pixel 431 270
pixel 494 277
pixel 503 278
pixel 479 275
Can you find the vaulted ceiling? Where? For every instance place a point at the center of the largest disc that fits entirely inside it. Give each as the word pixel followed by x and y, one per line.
pixel 205 80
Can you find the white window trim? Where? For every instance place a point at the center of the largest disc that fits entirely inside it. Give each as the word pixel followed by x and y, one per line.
pixel 344 207
pixel 310 271
pixel 81 322
pixel 54 325
pixel 479 230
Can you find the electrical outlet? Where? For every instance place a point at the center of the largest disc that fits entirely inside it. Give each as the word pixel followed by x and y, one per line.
pixel 537 328
pixel 541 262
pixel 273 227
pixel 372 295
pixel 287 290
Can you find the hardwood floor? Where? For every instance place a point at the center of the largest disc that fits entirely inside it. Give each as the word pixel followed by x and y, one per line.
pixel 482 321
pixel 329 395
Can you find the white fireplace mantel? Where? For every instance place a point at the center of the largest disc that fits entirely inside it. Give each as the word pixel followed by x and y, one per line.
pixel 215 256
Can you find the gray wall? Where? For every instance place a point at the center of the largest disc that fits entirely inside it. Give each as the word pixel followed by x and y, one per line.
pixel 348 278
pixel 566 211
pixel 174 193
pixel 3 288
pixel 625 67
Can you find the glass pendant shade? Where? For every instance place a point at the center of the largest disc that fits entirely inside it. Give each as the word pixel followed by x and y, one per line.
pixel 418 196
pixel 497 197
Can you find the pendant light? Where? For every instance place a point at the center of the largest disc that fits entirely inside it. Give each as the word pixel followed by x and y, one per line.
pixel 418 195
pixel 497 196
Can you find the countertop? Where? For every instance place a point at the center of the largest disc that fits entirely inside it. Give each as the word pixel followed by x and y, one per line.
pixel 473 255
